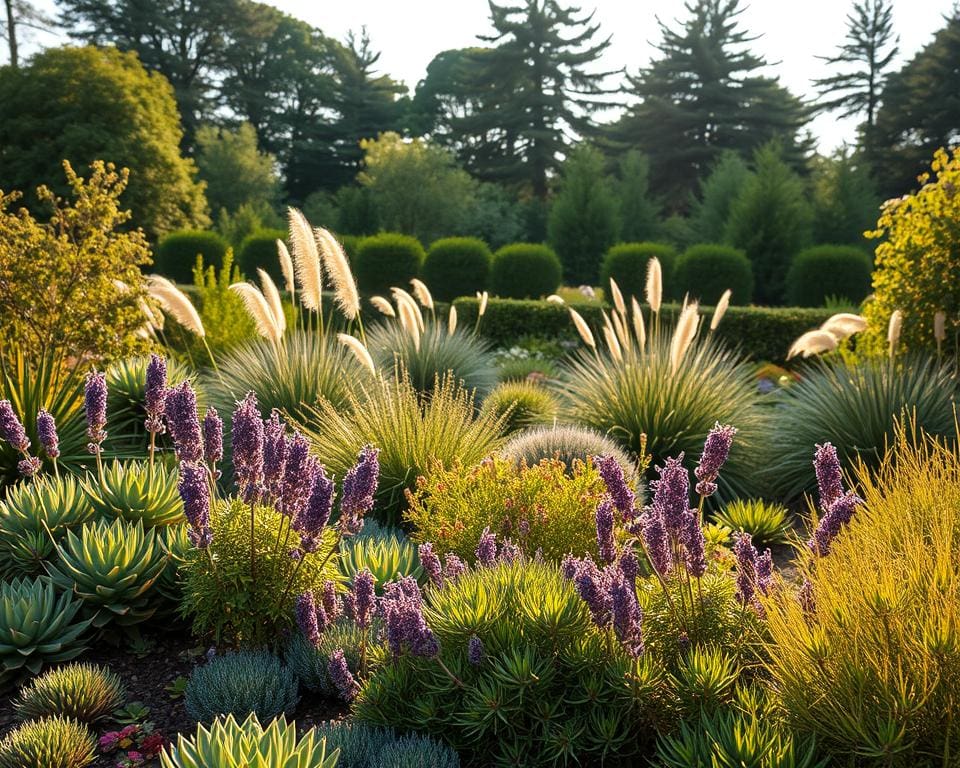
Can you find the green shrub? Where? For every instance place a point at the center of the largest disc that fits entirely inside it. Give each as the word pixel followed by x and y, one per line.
pixel 386 260
pixel 136 492
pixel 854 406
pixel 457 266
pixel 627 264
pixel 310 663
pixel 228 744
pixel 350 244
pixel 239 684
pixel 568 444
pixel 706 271
pixel 523 404
pixel 36 514
pixel 706 679
pixel 561 689
pixel 53 742
pixel 869 663
pixel 386 555
pixel 767 523
pixel 539 507
pixel 362 746
pixel 84 692
pixel 219 595
pixel 432 355
pixel 177 253
pixel 524 270
pixel 259 250
pixel 412 434
pixel 828 271
pixel 225 319
pixel 38 626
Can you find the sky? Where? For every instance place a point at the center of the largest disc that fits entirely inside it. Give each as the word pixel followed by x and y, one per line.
pixel 791 35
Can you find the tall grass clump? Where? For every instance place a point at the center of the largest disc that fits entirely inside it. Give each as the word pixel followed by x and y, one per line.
pixel 868 661
pixel 854 405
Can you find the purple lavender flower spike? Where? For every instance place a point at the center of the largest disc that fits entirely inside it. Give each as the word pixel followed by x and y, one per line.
pixel 183 421
pixel 808 601
pixel 195 493
pixel 155 393
pixel 594 589
pixel 425 644
pixel 612 474
pixel 569 566
pixel 453 567
pixel 298 476
pixel 47 432
pixel 672 494
pixel 746 555
pixel 247 437
pixel 694 545
pixel 11 428
pixel 332 606
pixel 402 608
pixel 826 465
pixel 315 514
pixel 341 676
pixel 830 525
pixel 629 566
pixel 716 449
pixel 306 610
pixel 509 552
pixel 212 436
pixel 475 652
pixel 656 541
pixel 274 456
pixel 364 598
pixel 359 489
pixel 627 618
pixel 765 572
pixel 95 405
pixel 431 563
pixel 486 551
pixel 604 525
pixel 29 466
pixel 349 603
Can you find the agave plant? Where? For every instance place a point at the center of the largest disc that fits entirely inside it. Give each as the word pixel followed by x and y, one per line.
pixel 82 691
pixel 176 544
pixel 37 626
pixel 766 523
pixel 53 742
pixel 112 568
pixel 387 557
pixel 136 492
pixel 229 744
pixel 35 515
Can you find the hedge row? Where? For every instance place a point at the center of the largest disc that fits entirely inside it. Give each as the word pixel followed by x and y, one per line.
pixel 762 333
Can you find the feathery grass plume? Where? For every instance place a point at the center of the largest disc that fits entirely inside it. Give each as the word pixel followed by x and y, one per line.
pixel 582 328
pixel 359 350
pixel 684 334
pixel 940 327
pixel 272 295
pixel 175 303
pixel 306 259
pixel 155 319
pixel 383 306
pixel 554 299
pixel 654 284
pixel 286 266
pixel 452 320
pixel 258 308
pixel 893 330
pixel 409 321
pixel 617 295
pixel 403 298
pixel 339 272
pixel 844 324
pixel 639 329
pixel 611 338
pixel 813 343
pixel 721 309
pixel 483 298
pixel 422 293
pixel 621 330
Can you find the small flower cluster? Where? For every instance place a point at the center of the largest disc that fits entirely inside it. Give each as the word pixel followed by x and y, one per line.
pixel 716 449
pixel 837 506
pixel 140 743
pixel 754 572
pixel 13 432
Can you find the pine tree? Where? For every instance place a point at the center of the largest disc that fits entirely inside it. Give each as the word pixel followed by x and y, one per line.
pixel 845 199
pixel 704 95
pixel 639 212
pixel 710 213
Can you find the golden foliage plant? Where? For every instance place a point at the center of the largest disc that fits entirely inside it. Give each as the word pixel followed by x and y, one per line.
pixel 872 664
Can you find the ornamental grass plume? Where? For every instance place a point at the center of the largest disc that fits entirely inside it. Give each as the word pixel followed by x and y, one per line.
pixel 940 328
pixel 409 322
pixel 383 306
pixel 583 329
pixel 259 309
pixel 813 343
pixel 452 320
pixel 654 292
pixel 483 298
pixel 175 303
pixel 617 296
pixel 639 329
pixel 612 344
pixel 555 299
pixel 684 334
pixel 286 267
pixel 272 295
pixel 422 293
pixel 721 309
pixel 360 350
pixel 894 328
pixel 338 270
pixel 844 324
pixel 306 259
pixel 405 299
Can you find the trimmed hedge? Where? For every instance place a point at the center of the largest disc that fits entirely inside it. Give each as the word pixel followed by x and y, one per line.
pixel 705 271
pixel 829 270
pixel 762 333
pixel 176 254
pixel 386 260
pixel 457 266
pixel 627 264
pixel 259 249
pixel 525 271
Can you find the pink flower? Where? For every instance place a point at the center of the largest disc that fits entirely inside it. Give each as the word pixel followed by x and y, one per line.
pixel 108 742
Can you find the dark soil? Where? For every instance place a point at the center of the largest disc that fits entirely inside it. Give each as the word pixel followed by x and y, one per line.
pixel 147 671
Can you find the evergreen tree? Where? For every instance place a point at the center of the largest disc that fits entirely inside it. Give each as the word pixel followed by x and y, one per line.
pixel 536 88
pixel 710 213
pixel 639 212
pixel 235 171
pixel 845 199
pixel 869 49
pixel 704 95
pixel 771 221
pixel 583 221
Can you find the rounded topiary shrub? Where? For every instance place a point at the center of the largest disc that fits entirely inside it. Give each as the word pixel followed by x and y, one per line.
pixel 525 271
pixel 386 260
pixel 627 264
pixel 177 253
pixel 705 271
pixel 259 250
pixel 457 266
pixel 840 271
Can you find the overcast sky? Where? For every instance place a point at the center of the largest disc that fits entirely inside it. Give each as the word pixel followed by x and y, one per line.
pixel 792 34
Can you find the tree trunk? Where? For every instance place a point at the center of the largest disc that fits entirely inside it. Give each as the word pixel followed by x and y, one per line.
pixel 11 33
